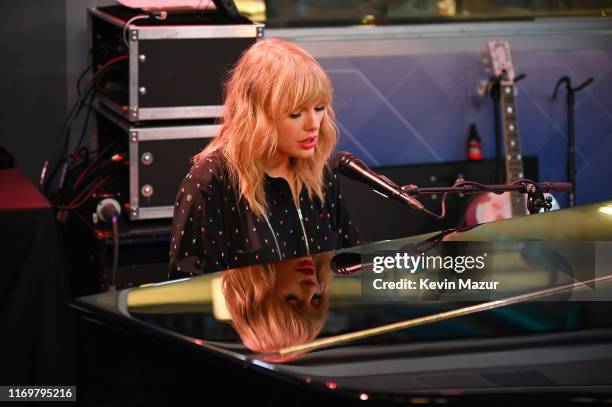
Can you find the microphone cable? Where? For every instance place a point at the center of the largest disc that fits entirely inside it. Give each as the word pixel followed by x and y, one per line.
pixel 66 129
pixel 115 223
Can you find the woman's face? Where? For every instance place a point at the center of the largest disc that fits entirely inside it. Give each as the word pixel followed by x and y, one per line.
pixel 296 280
pixel 298 132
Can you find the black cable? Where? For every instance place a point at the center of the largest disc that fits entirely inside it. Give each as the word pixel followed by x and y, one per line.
pixel 62 182
pixel 115 222
pixel 85 125
pixel 66 129
pixel 81 198
pixel 103 50
pixel 91 165
pixel 88 94
pixel 80 98
pixel 482 187
pixel 81 76
pixel 92 177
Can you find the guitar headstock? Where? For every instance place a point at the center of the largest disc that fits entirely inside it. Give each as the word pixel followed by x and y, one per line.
pixel 501 60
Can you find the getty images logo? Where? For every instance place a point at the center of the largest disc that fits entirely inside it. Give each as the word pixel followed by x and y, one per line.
pixel 403 261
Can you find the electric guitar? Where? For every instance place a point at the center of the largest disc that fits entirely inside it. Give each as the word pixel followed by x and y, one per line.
pixel 491 207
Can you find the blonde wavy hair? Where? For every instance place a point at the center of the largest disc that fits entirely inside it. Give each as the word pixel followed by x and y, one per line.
pixel 263 319
pixel 272 79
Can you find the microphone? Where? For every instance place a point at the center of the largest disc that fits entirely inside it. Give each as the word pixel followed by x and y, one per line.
pixel 350 262
pixel 351 166
pixel 346 263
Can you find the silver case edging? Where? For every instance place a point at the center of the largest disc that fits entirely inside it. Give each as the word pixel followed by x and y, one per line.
pixel 137 135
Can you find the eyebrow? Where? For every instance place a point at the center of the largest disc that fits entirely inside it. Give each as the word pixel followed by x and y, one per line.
pixel 302 302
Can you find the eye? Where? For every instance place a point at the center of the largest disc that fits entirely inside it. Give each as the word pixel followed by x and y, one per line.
pixel 292 299
pixel 320 108
pixel 295 115
pixel 316 299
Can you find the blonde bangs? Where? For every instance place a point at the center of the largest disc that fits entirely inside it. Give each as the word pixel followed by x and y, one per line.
pixel 272 79
pixel 300 84
pixel 261 316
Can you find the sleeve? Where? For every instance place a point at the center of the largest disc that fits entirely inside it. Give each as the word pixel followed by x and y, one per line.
pixel 198 242
pixel 348 233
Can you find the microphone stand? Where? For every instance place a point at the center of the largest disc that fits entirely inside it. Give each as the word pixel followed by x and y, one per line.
pixel 349 263
pixel 571 155
pixel 534 190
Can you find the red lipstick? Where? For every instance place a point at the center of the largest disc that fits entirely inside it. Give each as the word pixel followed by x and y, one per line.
pixel 308 143
pixel 305 267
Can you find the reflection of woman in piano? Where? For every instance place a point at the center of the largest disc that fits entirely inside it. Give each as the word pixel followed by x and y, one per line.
pixel 278 305
pixel 263 189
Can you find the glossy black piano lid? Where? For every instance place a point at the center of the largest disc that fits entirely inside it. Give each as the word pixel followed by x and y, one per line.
pixel 533 345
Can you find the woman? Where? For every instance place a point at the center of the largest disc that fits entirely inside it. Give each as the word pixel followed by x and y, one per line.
pixel 278 305
pixel 263 190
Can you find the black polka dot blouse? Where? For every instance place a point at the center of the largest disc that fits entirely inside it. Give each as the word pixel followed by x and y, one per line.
pixel 214 231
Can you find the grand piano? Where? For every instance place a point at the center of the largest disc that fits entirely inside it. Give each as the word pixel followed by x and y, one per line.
pixel 456 344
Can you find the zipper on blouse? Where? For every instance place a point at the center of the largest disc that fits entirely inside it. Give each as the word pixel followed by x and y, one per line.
pixel 280 256
pixel 303 231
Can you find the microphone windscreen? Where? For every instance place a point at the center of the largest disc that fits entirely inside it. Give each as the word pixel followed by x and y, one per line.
pixel 342 159
pixel 346 263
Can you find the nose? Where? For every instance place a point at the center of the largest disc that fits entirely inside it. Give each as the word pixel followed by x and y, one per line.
pixel 309 288
pixel 313 120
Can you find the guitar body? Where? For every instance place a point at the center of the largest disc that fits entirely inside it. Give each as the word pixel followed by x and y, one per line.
pixel 492 207
pixel 489 208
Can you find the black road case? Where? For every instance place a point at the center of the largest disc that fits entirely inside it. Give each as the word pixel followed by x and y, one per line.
pixel 165 69
pixel 159 158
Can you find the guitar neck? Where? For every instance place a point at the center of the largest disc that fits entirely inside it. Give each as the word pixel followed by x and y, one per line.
pixel 512 143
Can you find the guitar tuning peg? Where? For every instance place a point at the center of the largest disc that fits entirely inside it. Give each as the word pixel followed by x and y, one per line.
pixel 487 70
pixel 485 61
